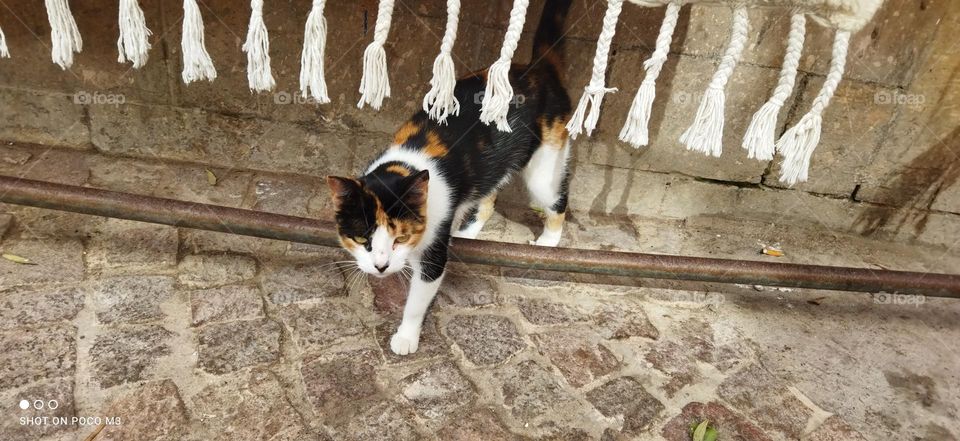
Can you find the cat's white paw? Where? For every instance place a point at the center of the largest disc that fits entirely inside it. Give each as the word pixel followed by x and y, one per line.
pixel 547 239
pixel 403 343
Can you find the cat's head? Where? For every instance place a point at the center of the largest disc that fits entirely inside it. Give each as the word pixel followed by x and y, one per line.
pixel 381 218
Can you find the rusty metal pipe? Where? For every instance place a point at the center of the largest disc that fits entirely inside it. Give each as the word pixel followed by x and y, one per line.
pixel 297 229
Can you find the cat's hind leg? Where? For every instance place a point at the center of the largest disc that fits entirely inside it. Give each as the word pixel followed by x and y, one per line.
pixel 547 177
pixel 476 217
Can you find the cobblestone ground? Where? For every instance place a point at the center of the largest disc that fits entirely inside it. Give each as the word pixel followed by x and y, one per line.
pixel 185 335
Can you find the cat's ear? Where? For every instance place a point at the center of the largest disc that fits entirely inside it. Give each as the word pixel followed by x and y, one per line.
pixel 417 183
pixel 342 189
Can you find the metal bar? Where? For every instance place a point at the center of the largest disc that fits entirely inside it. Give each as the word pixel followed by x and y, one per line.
pixel 297 229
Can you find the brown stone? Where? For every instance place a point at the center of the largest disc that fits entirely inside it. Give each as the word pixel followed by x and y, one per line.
pixel 729 424
pixel 483 424
pixel 287 281
pixel 342 383
pixel 125 354
pixel 154 411
pixel 674 360
pixel 317 326
pixel 229 408
pixel 131 299
pixel 626 396
pixel 617 322
pixel 485 339
pixel 42 118
pixel 767 400
pixel 468 289
pixel 437 391
pixel 835 429
pixel 232 302
pixel 27 307
pixel 207 271
pixel 36 354
pixel 121 245
pixel 384 421
pixel 578 357
pixel 226 347
pixel 389 293
pixel 545 312
pixel 57 261
pixel 531 391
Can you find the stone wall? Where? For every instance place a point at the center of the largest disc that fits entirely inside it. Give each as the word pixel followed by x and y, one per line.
pixel 887 164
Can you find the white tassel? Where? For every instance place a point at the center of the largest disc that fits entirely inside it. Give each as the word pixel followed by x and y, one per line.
pixel 635 128
pixel 375 84
pixel 440 100
pixel 499 93
pixel 593 93
pixel 705 135
pixel 64 35
pixel 4 52
pixel 257 47
pixel 312 80
pixel 133 43
pixel 798 143
pixel 760 138
pixel 197 64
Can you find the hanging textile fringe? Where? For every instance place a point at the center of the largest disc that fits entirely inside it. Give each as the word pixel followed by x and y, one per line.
pixel 635 128
pixel 197 64
pixel 706 133
pixel 64 35
pixel 440 101
pixel 593 93
pixel 375 84
pixel 798 143
pixel 312 80
pixel 4 52
pixel 760 138
pixel 133 43
pixel 499 93
pixel 257 47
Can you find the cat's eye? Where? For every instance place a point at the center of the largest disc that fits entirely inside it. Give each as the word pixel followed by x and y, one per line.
pixel 402 239
pixel 360 239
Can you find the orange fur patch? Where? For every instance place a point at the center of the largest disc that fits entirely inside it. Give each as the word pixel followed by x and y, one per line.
pixel 554 221
pixel 554 132
pixel 408 130
pixel 435 148
pixel 399 169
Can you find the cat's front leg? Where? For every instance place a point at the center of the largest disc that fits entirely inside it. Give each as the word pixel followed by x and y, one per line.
pixel 427 276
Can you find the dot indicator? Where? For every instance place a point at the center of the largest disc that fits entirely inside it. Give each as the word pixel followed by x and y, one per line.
pixel 24 404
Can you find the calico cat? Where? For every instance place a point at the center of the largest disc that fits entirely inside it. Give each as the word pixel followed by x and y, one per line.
pixel 440 180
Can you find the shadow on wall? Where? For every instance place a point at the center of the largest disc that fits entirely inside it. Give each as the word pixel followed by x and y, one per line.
pixel 914 188
pixel 664 92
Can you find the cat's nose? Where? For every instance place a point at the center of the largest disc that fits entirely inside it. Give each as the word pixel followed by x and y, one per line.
pixel 381 268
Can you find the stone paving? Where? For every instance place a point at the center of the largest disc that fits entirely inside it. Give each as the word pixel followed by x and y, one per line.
pixel 176 334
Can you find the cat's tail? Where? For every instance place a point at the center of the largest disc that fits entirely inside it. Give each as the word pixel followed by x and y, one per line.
pixel 548 41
